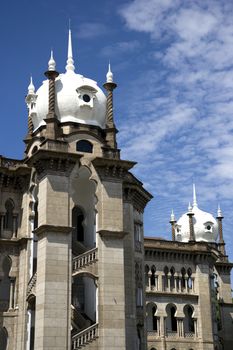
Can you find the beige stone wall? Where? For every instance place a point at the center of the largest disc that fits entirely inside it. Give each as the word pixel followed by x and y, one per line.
pixel 53 291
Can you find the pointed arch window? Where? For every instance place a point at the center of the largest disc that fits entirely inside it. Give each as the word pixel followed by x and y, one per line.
pixel 8 224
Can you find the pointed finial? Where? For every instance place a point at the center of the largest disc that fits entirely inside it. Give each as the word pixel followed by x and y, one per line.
pixel 31 87
pixel 70 62
pixel 173 216
pixel 51 63
pixel 190 208
pixel 194 196
pixel 109 75
pixel 219 213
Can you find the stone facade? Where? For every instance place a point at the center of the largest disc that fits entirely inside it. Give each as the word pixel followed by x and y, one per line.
pixel 75 270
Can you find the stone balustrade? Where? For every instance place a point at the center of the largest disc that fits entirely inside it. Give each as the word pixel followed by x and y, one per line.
pixel 85 259
pixel 84 337
pixel 31 284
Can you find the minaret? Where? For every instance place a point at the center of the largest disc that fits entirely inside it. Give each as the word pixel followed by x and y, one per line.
pixel 111 130
pixel 70 62
pixel 221 243
pixel 173 223
pixel 30 100
pixel 191 226
pixel 51 119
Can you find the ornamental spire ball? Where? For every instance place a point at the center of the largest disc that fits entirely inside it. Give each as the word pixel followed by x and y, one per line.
pixel 51 63
pixel 31 87
pixel 109 75
pixel 173 216
pixel 219 213
pixel 70 62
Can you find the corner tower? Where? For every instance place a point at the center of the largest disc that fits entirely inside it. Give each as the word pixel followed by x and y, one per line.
pixel 87 248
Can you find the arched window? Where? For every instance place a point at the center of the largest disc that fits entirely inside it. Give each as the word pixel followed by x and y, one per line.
pixel 3 338
pixel 84 146
pixel 151 318
pixel 183 273
pixel 172 280
pixel 188 321
pixel 171 322
pixel 154 319
pixel 77 223
pixel 190 282
pixel 9 205
pixel 165 278
pixel 153 280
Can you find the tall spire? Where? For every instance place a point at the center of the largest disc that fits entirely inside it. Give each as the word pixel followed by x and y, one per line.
pixel 194 196
pixel 70 62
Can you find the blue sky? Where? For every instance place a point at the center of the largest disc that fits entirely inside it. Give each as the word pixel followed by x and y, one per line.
pixel 173 63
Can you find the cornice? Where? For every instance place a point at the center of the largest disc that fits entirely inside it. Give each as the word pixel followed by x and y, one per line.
pixel 43 229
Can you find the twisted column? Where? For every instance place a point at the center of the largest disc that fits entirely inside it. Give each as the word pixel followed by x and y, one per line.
pixel 191 226
pixel 221 243
pixel 51 120
pixel 111 130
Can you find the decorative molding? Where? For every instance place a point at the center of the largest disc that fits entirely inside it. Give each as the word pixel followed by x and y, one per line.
pixel 51 228
pixel 112 234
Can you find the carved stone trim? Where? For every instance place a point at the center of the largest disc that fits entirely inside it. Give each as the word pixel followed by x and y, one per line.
pixel 51 228
pixel 112 234
pixel 108 168
pixel 48 161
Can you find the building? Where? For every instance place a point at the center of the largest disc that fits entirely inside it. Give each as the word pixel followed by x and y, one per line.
pixel 75 271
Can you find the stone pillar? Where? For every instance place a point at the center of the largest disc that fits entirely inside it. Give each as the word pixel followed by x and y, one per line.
pixel 12 293
pixel 195 328
pixel 149 279
pixel 54 252
pixel 53 288
pixel 15 225
pixel 169 282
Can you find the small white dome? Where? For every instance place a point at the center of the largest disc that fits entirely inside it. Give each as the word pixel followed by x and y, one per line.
pixel 78 100
pixel 205 226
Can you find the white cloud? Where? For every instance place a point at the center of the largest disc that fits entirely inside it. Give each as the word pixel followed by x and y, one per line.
pixel 180 117
pixel 90 30
pixel 121 47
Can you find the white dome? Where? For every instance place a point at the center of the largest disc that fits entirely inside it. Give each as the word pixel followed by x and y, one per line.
pixel 78 100
pixel 205 226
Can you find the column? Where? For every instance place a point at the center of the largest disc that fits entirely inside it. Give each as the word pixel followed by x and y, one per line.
pixel 149 279
pixel 12 293
pixel 195 328
pixel 169 282
pixel 15 225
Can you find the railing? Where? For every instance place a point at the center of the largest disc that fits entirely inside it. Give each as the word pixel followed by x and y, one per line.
pixel 189 334
pixel 78 319
pixel 152 333
pixel 84 259
pixel 171 334
pixel 84 337
pixel 31 283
